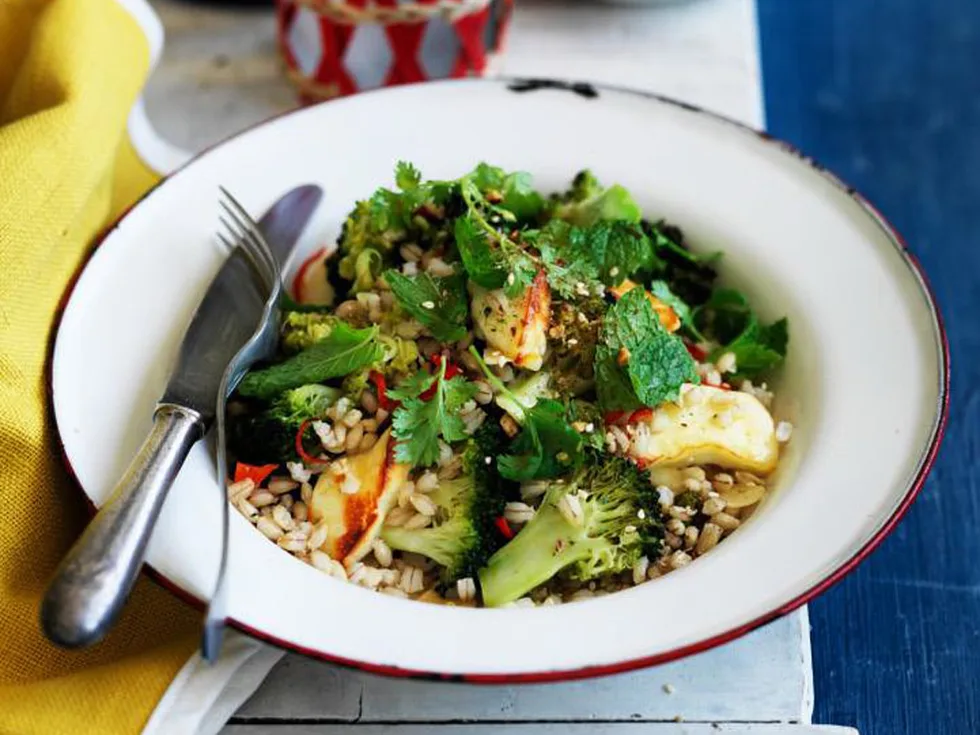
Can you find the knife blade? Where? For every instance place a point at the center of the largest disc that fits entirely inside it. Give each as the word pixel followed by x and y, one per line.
pixel 93 581
pixel 230 309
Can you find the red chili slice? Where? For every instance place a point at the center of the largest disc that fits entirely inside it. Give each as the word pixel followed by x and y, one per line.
pixel 640 414
pixel 255 473
pixel 613 417
pixel 452 370
pixel 301 450
pixel 381 388
pixel 505 530
pixel 696 352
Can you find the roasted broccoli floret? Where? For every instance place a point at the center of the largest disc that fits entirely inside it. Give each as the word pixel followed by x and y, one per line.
pixel 301 329
pixel 600 521
pixel 269 435
pixel 587 202
pixel 464 536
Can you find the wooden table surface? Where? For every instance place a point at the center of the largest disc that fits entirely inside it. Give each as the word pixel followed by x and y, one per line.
pixel 887 94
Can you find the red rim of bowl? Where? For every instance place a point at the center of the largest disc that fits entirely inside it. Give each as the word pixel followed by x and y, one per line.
pixel 587 90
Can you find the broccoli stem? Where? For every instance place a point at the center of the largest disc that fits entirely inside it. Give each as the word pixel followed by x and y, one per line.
pixel 545 546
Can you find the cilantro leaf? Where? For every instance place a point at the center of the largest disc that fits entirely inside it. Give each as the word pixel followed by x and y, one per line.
pixel 513 192
pixel 491 257
pixel 407 177
pixel 546 447
pixel 418 422
pixel 438 303
pixel 343 351
pixel 637 362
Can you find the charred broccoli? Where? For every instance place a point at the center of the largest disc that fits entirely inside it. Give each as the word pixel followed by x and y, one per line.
pixel 587 202
pixel 269 435
pixel 301 329
pixel 600 521
pixel 465 535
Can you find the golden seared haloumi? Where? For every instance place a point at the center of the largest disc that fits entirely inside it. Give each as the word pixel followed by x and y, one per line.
pixel 516 327
pixel 354 519
pixel 708 425
pixel 667 316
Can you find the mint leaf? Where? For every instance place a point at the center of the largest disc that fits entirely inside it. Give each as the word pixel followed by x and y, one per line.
pixel 438 303
pixel 417 423
pixel 343 351
pixel 728 319
pixel 587 202
pixel 570 270
pixel 520 197
pixel 618 249
pixel 479 260
pixel 637 362
pixel 758 349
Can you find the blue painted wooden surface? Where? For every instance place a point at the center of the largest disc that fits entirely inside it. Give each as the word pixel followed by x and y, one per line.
pixel 887 94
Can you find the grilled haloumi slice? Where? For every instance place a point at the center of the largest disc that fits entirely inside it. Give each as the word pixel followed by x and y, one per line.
pixel 354 519
pixel 708 425
pixel 517 327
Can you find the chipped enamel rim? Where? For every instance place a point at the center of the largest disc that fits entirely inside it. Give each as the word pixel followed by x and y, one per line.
pixel 546 664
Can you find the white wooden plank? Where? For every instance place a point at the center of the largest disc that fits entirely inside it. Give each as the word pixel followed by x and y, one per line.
pixel 615 728
pixel 701 51
pixel 760 677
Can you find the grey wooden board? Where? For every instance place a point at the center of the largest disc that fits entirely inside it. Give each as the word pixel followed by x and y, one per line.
pixel 605 728
pixel 763 677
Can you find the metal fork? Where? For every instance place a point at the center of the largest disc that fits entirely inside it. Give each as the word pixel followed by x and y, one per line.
pixel 242 230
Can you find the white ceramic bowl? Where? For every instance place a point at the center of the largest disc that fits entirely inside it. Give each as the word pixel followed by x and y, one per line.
pixel 865 382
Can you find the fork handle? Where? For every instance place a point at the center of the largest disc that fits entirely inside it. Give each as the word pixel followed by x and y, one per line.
pixel 91 584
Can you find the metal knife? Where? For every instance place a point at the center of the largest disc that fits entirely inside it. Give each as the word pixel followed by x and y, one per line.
pixel 93 581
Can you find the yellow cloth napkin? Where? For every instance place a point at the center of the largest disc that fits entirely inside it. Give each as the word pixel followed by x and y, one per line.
pixel 70 71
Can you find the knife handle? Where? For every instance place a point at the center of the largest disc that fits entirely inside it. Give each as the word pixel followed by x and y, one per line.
pixel 93 581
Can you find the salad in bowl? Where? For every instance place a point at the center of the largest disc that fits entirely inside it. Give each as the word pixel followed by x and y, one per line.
pixel 487 395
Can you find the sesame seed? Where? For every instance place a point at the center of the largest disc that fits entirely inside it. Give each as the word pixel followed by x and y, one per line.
pixel 641 514
pixel 488 460
pixel 428 305
pixel 614 271
pixel 510 279
pixel 573 342
pixel 668 688
pixel 589 428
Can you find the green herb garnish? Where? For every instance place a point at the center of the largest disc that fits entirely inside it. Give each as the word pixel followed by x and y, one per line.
pixel 438 303
pixel 637 362
pixel 341 352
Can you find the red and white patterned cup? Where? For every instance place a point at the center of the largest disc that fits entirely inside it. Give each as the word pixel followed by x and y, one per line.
pixel 333 48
